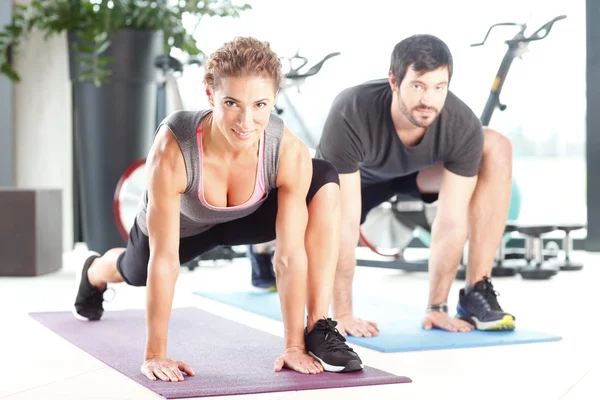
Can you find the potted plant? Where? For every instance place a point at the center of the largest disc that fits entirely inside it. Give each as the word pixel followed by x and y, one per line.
pixel 113 45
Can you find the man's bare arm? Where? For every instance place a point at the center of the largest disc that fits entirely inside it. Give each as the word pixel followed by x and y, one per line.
pixel 351 206
pixel 350 202
pixel 449 233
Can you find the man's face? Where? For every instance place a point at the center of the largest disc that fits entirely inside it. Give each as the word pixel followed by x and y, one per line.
pixel 422 96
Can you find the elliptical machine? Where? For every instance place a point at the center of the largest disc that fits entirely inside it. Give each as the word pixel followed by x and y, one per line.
pixel 294 78
pixel 404 221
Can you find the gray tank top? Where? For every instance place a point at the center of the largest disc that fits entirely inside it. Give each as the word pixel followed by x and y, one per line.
pixel 195 217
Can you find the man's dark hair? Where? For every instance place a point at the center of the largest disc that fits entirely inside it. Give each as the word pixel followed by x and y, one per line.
pixel 424 52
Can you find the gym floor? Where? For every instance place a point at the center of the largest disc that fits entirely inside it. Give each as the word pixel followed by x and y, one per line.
pixel 37 364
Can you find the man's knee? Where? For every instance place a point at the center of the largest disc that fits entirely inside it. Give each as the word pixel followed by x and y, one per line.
pixel 497 146
pixel 429 179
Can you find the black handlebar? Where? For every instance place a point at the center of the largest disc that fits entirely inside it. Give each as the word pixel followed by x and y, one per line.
pixel 295 74
pixel 516 47
pixel 170 64
pixel 495 25
pixel 541 33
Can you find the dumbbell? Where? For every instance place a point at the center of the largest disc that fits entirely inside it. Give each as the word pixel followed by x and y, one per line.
pixel 502 266
pixel 537 267
pixel 461 272
pixel 567 264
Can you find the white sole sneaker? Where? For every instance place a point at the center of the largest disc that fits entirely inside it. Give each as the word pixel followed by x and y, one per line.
pixel 353 365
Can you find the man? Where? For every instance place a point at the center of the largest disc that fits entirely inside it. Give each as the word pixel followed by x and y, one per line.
pixel 409 134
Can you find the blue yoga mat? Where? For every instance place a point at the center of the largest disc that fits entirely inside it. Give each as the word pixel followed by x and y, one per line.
pixel 399 325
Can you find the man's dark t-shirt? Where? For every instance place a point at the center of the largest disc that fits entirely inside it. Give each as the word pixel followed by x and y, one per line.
pixel 359 134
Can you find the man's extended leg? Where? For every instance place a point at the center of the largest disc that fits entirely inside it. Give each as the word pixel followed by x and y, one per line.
pixel 487 217
pixel 489 206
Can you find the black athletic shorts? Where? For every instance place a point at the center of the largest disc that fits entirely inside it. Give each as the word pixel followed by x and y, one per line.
pixel 258 227
pixel 374 194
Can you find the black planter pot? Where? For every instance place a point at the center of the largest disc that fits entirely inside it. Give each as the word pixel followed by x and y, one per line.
pixel 113 125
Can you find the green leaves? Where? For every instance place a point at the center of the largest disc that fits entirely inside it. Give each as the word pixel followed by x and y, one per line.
pixel 95 21
pixel 94 65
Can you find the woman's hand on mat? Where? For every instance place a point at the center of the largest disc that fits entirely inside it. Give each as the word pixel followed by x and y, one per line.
pixel 298 360
pixel 165 369
pixel 350 325
pixel 441 320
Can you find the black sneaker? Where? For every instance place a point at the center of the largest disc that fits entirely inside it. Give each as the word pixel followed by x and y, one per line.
pixel 263 275
pixel 88 301
pixel 329 347
pixel 479 306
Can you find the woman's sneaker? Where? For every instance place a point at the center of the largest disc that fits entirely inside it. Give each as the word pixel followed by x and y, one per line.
pixel 479 306
pixel 328 346
pixel 88 300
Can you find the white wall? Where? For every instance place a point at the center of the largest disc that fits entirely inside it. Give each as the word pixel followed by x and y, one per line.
pixel 365 36
pixel 42 121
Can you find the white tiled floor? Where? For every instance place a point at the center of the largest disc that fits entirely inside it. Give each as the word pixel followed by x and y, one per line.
pixel 37 364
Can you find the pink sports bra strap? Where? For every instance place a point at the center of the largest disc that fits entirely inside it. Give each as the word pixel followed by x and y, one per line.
pixel 259 186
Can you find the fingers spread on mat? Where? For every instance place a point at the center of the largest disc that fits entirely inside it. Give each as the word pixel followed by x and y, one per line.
pixel 440 320
pixel 187 368
pixel 356 327
pixel 278 366
pixel 298 361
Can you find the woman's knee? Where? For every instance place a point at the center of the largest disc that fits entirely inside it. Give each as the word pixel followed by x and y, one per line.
pixel 324 172
pixel 325 185
pixel 132 272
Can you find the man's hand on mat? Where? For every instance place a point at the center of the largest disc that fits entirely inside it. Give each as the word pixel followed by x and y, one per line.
pixel 350 325
pixel 437 319
pixel 165 369
pixel 298 360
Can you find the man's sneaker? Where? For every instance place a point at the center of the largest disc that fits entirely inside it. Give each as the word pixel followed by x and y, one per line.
pixel 329 347
pixel 88 301
pixel 263 275
pixel 479 306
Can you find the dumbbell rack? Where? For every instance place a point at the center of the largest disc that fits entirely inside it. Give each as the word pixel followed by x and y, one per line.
pixel 532 262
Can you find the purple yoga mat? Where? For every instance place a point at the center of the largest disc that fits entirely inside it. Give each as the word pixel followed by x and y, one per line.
pixel 228 358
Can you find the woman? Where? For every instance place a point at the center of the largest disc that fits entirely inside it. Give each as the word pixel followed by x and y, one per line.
pixel 232 175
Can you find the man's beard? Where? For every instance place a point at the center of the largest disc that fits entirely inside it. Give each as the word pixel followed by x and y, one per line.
pixel 417 122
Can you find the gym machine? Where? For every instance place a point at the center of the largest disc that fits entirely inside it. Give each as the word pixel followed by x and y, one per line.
pixel 294 79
